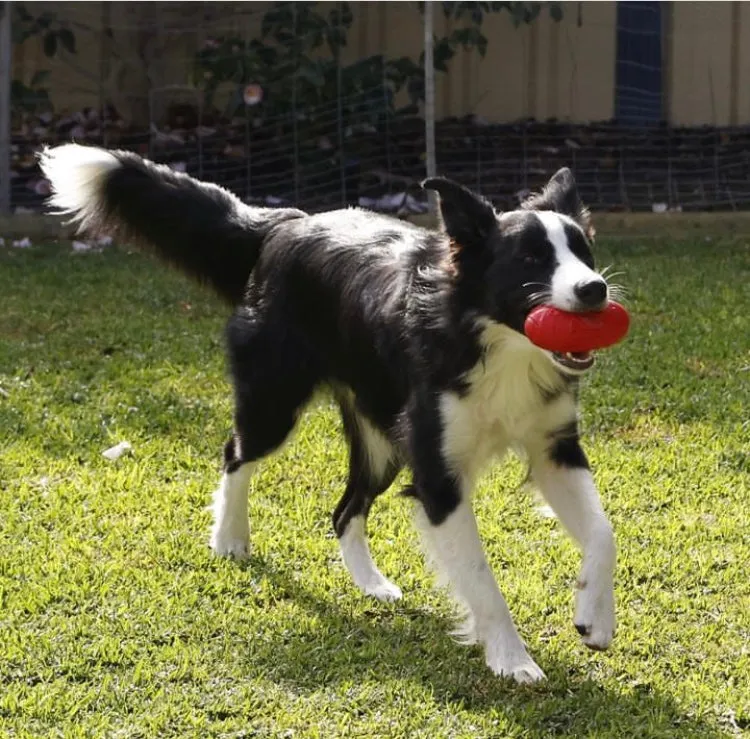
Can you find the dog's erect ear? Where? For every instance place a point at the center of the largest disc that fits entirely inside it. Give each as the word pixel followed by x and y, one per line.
pixel 468 217
pixel 560 194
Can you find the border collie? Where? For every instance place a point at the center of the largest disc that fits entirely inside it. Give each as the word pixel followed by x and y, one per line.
pixel 419 336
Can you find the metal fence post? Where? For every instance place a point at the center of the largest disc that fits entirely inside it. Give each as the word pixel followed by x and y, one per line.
pixel 295 122
pixel 429 102
pixel 340 111
pixel 5 79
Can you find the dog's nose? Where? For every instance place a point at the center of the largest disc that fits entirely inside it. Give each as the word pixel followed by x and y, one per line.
pixel 591 294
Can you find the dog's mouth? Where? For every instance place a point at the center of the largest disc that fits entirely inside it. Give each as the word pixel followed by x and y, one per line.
pixel 576 361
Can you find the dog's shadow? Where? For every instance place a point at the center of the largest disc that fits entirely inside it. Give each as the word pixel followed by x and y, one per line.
pixel 384 642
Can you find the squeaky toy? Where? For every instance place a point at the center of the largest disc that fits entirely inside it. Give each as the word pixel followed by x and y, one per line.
pixel 576 333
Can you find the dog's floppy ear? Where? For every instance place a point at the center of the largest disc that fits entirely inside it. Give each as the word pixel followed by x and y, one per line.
pixel 468 218
pixel 560 194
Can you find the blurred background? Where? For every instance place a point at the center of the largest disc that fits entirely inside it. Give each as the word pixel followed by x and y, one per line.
pixel 324 104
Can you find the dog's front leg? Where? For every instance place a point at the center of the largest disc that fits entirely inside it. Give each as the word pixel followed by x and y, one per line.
pixel 449 531
pixel 562 474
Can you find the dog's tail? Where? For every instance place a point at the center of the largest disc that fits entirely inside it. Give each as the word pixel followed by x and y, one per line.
pixel 201 228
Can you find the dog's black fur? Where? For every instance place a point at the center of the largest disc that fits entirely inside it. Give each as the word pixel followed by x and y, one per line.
pixel 322 299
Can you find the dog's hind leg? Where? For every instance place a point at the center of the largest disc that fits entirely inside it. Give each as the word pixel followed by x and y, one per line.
pixel 373 465
pixel 272 383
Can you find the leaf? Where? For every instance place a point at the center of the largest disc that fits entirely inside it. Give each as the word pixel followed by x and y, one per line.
pixel 312 73
pixel 67 39
pixel 482 45
pixel 20 11
pixel 442 53
pixel 17 90
pixel 340 17
pixel 19 34
pixel 266 55
pixel 415 89
pixel 39 78
pixel 50 44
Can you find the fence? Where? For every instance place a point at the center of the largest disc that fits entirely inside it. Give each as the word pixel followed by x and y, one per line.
pixel 267 101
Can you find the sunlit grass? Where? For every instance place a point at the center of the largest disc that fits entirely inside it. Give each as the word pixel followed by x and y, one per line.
pixel 115 620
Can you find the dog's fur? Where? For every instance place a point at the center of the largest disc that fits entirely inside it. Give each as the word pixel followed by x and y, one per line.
pixel 419 334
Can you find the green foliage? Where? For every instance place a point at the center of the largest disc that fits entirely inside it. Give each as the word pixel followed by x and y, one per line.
pixel 297 59
pixel 299 26
pixel 31 98
pixel 519 12
pixel 55 35
pixel 471 36
pixel 115 620
pixel 285 63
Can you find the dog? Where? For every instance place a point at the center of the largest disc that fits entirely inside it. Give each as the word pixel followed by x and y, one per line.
pixel 419 336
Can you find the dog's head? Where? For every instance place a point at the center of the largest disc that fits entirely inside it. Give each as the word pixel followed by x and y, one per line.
pixel 508 263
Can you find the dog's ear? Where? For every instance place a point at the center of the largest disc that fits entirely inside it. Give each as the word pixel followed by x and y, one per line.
pixel 560 194
pixel 468 218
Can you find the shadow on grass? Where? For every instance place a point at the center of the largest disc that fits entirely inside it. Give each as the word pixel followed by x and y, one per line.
pixel 411 645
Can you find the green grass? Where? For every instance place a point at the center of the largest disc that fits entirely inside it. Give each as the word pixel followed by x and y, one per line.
pixel 116 621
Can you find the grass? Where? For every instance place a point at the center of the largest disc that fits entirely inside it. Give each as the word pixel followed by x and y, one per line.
pixel 115 621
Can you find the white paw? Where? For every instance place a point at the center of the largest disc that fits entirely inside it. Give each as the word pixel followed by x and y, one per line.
pixel 518 667
pixel 595 616
pixel 384 590
pixel 230 543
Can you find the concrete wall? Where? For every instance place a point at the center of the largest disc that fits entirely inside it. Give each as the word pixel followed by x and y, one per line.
pixel 564 70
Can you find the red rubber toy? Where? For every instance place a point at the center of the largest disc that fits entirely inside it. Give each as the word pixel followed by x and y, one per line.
pixel 559 331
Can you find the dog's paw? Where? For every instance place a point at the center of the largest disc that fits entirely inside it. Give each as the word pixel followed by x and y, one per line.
pixel 235 544
pixel 507 657
pixel 595 616
pixel 528 673
pixel 369 579
pixel 384 590
pixel 519 668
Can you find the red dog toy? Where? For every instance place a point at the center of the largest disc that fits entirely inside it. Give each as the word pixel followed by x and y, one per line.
pixel 559 331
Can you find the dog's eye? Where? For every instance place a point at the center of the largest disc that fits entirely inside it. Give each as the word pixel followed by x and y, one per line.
pixel 532 260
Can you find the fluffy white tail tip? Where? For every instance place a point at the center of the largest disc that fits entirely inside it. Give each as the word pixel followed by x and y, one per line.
pixel 76 174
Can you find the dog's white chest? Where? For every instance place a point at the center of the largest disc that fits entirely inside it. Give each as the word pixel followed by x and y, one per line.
pixel 505 403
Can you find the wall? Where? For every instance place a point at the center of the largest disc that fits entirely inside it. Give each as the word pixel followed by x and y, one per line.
pixel 546 69
pixel 562 70
pixel 700 63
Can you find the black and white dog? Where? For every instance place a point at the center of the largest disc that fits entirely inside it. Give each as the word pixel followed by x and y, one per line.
pixel 419 335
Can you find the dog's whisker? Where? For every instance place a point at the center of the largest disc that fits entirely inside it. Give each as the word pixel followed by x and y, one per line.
pixel 605 272
pixel 538 298
pixel 617 292
pixel 535 303
pixel 621 289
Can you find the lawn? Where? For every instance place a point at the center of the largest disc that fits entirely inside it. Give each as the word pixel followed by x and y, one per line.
pixel 116 621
